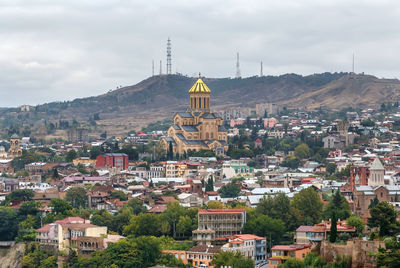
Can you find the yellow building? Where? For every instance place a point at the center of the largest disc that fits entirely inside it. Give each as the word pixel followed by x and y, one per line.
pixel 197 128
pixel 15 149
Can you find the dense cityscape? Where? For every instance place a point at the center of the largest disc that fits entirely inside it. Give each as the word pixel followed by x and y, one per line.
pixel 262 186
pixel 199 134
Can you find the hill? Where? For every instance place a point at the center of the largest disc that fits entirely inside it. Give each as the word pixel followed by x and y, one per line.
pixel 158 97
pixel 349 91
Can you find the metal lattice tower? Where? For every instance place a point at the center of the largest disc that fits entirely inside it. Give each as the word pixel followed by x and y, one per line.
pixel 238 75
pixel 169 60
pixel 261 70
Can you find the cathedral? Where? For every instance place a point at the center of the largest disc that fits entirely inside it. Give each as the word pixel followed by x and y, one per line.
pixel 15 149
pixel 197 128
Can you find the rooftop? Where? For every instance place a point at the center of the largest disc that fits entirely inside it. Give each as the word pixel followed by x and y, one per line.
pixel 217 211
pixel 199 87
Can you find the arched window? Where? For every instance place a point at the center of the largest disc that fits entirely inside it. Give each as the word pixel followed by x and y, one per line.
pixel 204 103
pixel 207 136
pixel 195 102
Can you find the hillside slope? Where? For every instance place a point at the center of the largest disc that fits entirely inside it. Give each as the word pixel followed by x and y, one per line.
pixel 158 97
pixel 350 91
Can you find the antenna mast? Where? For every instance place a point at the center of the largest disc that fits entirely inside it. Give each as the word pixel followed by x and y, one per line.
pixel 261 70
pixel 152 68
pixel 160 67
pixel 353 64
pixel 238 75
pixel 169 64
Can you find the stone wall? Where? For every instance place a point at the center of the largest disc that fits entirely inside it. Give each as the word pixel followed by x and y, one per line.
pixel 357 249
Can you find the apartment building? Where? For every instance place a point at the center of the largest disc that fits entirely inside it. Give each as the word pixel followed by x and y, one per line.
pixel 217 223
pixel 250 246
pixel 69 232
pixel 175 169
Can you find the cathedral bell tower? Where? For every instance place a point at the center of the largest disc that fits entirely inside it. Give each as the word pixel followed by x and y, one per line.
pixel 200 96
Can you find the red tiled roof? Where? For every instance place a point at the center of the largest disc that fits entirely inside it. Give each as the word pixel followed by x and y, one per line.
pixel 290 247
pixel 44 228
pixel 304 228
pixel 70 219
pixel 157 209
pixel 246 237
pixel 216 211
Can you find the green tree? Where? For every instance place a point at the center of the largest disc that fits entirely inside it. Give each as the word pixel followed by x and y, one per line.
pixel 338 204
pixel 71 155
pixel 21 195
pixel 309 206
pixel 28 208
pixel 170 151
pixel 357 222
pixel 168 260
pixel 122 219
pixel 184 225
pixel 55 173
pixel 137 206
pixel 374 202
pixel 331 168
pixel 120 195
pixel 102 218
pixel 210 185
pixel 265 226
pixel 172 214
pixel 215 205
pixel 26 230
pixel 60 206
pixel 77 197
pixel 302 151
pixel 294 263
pixel 383 216
pixel 232 259
pixel 390 255
pixel 144 224
pixel 8 224
pixel 149 250
pixel 95 151
pixel 229 190
pixel 333 231
pixel 291 162
pixel 278 207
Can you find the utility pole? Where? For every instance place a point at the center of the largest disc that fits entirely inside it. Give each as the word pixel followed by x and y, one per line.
pixel 160 67
pixel 261 70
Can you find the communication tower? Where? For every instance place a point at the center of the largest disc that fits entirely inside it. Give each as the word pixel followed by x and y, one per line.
pixel 169 61
pixel 238 75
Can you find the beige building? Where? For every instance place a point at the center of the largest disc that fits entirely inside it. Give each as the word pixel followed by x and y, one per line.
pixel 15 147
pixel 64 234
pixel 197 128
pixel 175 169
pixel 215 223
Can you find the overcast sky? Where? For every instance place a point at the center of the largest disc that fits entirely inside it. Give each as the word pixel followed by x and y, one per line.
pixel 56 50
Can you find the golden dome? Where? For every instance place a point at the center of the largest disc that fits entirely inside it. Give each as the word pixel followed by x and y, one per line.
pixel 199 87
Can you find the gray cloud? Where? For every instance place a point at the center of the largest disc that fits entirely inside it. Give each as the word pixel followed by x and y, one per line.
pixel 59 50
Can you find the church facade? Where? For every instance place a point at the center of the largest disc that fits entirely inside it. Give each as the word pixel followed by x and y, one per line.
pixel 199 127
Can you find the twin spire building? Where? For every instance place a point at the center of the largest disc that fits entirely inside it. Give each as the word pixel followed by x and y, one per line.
pixel 199 127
